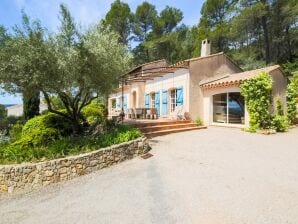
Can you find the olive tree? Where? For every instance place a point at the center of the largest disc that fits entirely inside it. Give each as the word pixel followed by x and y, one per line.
pixel 21 60
pixel 75 67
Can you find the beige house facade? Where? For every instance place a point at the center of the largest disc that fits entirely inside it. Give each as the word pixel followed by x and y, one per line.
pixel 206 87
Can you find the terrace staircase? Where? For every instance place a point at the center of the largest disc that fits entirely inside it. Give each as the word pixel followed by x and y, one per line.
pixel 158 128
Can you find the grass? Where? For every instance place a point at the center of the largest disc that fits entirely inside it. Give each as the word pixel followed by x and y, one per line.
pixel 66 146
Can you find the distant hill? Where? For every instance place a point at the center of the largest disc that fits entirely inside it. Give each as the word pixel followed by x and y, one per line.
pixel 8 105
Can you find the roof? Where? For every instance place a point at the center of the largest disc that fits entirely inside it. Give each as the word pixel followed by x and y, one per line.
pixel 151 70
pixel 236 78
pixel 146 64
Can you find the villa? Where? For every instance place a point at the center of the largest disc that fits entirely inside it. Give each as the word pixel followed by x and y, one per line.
pixel 206 87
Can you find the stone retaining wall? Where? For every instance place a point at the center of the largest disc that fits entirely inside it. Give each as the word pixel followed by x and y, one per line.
pixel 26 177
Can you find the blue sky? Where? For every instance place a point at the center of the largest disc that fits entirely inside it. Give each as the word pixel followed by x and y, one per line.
pixel 85 12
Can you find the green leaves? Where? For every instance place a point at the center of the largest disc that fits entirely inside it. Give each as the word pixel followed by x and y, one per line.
pixel 257 94
pixel 292 96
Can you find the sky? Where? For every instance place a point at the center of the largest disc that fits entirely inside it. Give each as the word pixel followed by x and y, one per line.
pixel 85 12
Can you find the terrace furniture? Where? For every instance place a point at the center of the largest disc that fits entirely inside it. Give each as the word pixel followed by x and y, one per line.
pixel 177 113
pixel 151 113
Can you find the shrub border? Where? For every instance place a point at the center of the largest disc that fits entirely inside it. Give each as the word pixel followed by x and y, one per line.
pixel 29 176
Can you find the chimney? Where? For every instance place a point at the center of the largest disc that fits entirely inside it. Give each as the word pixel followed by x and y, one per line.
pixel 205 48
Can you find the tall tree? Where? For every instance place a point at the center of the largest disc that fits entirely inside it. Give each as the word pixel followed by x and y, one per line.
pixel 20 61
pixel 215 17
pixel 76 67
pixel 144 18
pixel 162 41
pixel 119 18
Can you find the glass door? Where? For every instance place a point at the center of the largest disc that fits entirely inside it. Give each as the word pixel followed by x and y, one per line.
pixel 228 108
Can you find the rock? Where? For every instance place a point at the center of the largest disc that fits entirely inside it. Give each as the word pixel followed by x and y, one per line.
pixel 49 173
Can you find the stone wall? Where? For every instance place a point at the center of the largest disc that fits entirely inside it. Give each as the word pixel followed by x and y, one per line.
pixel 27 177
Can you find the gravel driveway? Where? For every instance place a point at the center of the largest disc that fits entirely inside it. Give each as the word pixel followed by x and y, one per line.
pixel 218 175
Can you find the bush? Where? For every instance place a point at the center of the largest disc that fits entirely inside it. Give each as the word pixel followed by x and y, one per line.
pixel 257 94
pixel 279 107
pixel 15 131
pixel 198 121
pixel 43 129
pixel 93 113
pixel 65 146
pixel 292 95
pixel 280 123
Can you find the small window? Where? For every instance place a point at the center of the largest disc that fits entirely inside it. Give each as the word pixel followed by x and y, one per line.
pixel 173 100
pixel 152 97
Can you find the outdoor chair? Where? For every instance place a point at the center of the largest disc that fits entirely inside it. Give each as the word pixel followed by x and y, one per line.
pixel 151 113
pixel 177 113
pixel 138 113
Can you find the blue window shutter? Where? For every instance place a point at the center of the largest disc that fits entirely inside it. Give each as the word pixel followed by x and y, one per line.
pixel 147 100
pixel 125 102
pixel 118 103
pixel 157 101
pixel 164 102
pixel 179 96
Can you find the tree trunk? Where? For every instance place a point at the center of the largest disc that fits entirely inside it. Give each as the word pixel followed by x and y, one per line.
pixel 31 102
pixel 288 39
pixel 266 40
pixel 266 34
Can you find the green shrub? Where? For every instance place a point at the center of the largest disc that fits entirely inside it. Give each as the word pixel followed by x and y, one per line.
pixel 93 113
pixel 279 107
pixel 257 94
pixel 15 131
pixel 43 129
pixel 64 146
pixel 198 121
pixel 280 123
pixel 292 95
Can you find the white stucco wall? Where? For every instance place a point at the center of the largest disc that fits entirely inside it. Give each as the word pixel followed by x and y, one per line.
pixel 170 81
pixel 208 106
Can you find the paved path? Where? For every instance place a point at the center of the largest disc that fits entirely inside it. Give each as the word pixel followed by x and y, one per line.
pixel 212 176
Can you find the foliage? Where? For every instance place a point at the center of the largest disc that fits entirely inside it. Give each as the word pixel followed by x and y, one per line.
pixel 15 131
pixel 66 146
pixel 280 123
pixel 94 113
pixel 43 129
pixel 279 107
pixel 144 19
pixel 31 102
pixel 257 95
pixel 3 112
pixel 119 19
pixel 292 96
pixel 198 121
pixel 74 66
pixel 23 56
pixel 291 67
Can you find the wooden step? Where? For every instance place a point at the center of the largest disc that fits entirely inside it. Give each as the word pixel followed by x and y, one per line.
pixel 167 127
pixel 170 131
pixel 158 123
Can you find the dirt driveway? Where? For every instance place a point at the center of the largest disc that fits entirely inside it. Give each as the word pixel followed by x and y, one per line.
pixel 218 175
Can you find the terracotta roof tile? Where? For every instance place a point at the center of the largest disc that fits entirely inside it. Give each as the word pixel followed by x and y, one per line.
pixel 236 78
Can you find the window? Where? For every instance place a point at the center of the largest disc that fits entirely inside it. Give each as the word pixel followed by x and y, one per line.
pixel 228 108
pixel 173 100
pixel 152 97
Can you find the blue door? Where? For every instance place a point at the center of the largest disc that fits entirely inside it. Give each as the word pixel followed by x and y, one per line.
pixel 179 96
pixel 118 103
pixel 147 101
pixel 125 103
pixel 157 102
pixel 164 103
